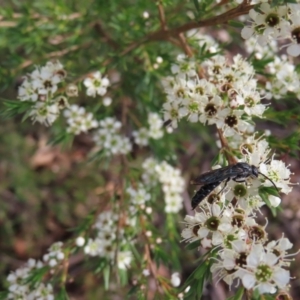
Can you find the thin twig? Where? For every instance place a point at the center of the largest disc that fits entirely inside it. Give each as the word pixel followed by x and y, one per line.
pixel 242 9
pixel 107 38
pixel 162 17
pixel 187 49
pixel 230 158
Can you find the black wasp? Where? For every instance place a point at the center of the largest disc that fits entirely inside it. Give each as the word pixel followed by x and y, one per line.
pixel 210 180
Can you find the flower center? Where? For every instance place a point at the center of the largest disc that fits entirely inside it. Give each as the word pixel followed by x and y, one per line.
pixel 249 102
pixel 212 223
pixel 174 113
pixel 180 93
pixel 97 83
pixel 296 35
pixel 240 190
pixel 195 230
pixel 237 220
pixel 272 20
pixel 256 233
pixel 263 273
pixel 231 121
pixel 210 109
pixel 227 241
pixel 47 84
pixel 212 198
pixel 193 107
pixel 199 90
pixel 241 260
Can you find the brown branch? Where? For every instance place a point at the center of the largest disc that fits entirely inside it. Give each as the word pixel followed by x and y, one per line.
pixel 99 28
pixel 187 49
pixel 162 16
pixel 217 20
pixel 53 54
pixel 226 149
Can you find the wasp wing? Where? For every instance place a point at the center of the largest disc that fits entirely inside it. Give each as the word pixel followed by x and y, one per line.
pixel 213 176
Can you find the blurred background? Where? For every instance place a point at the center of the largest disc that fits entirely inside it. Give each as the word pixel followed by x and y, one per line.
pixel 47 190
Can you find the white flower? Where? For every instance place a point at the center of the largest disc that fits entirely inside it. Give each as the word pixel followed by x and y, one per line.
pixel 110 124
pixel 139 196
pixel 44 113
pixel 266 25
pixel 156 124
pixel 264 272
pixel 171 112
pixel 96 84
pixel 278 173
pixel 146 272
pixel 44 81
pixel 141 137
pixel 291 30
pixel 231 122
pixel 124 259
pixel 211 110
pixel 80 241
pixel 93 247
pixel 107 101
pixel 175 279
pixel 173 202
pixel 26 91
pixel 79 120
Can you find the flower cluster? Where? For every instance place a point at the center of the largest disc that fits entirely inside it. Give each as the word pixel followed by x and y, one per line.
pixel 267 51
pixel 21 288
pixel 39 87
pixel 108 138
pixel 138 196
pixel 79 120
pixel 285 79
pixel 274 23
pixel 55 254
pixel 171 180
pixel 244 252
pixel 141 136
pixel 243 249
pixel 105 244
pixel 228 98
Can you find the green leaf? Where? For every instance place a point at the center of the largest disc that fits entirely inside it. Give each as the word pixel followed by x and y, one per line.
pixel 36 276
pixel 238 295
pixel 161 256
pixel 193 245
pixel 264 192
pixel 236 24
pixel 14 108
pixel 123 274
pixel 63 138
pixel 200 275
pixel 133 291
pixel 106 275
pixel 62 295
pixel 4 295
pixel 196 3
pixel 289 144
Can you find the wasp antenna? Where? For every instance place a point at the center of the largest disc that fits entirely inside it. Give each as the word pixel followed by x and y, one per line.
pixel 269 180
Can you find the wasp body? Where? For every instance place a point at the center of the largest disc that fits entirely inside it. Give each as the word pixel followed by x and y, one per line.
pixel 210 180
pixel 204 191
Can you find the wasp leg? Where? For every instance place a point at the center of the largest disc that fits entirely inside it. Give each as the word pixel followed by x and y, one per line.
pixel 225 184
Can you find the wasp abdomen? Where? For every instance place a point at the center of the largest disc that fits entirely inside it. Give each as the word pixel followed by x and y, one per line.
pixel 203 192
